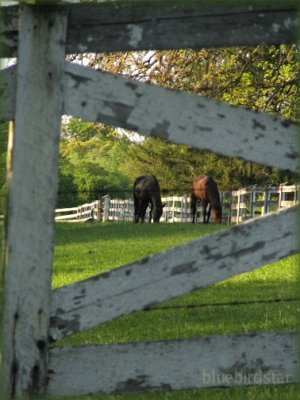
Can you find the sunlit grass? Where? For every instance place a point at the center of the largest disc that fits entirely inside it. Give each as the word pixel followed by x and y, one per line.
pixel 84 250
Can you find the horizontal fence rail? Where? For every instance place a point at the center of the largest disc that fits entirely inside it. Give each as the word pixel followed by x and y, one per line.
pixel 215 361
pixel 238 205
pixel 117 27
pixel 84 212
pixel 172 273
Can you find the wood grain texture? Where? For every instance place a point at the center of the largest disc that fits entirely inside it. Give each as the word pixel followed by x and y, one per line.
pixel 32 198
pixel 213 361
pixel 149 27
pixel 172 273
pixel 115 27
pixel 8 93
pixel 180 117
pixel 151 110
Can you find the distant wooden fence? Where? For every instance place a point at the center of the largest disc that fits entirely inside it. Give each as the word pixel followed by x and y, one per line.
pixel 251 202
pixel 83 212
pixel 238 206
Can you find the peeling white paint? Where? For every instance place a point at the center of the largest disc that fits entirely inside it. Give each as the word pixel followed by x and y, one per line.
pixel 288 23
pixel 135 34
pixel 82 48
pixel 172 365
pixel 275 27
pixel 150 107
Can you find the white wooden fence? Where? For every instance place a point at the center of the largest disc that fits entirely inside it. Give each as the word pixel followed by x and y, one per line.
pixel 238 206
pixel 250 202
pixel 84 212
pixel 37 92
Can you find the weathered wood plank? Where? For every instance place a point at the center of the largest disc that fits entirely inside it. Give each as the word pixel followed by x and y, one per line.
pixel 107 27
pixel 157 111
pixel 165 26
pixel 172 273
pixel 7 93
pixel 180 117
pixel 32 199
pixel 256 359
pixel 9 31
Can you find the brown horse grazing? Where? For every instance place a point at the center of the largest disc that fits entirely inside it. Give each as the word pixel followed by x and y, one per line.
pixel 205 189
pixel 146 191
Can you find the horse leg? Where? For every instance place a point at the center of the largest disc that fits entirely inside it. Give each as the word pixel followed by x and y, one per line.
pixel 136 209
pixel 208 213
pixel 193 207
pixel 144 206
pixel 150 213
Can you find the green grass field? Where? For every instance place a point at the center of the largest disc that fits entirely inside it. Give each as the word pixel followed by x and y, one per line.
pixel 262 300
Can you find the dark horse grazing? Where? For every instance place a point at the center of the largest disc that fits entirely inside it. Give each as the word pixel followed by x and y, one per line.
pixel 146 190
pixel 205 189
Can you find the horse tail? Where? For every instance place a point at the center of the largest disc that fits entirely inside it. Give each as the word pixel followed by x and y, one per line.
pixel 213 193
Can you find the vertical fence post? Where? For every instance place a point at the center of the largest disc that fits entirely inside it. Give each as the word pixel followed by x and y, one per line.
pixel 295 194
pixel 266 202
pixel 238 207
pixel 106 205
pixel 99 213
pixel 252 203
pixel 29 237
pixel 231 207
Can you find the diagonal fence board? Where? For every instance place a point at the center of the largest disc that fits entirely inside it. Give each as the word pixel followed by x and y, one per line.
pixel 8 93
pixel 116 27
pixel 172 273
pixel 156 111
pixel 180 117
pixel 215 361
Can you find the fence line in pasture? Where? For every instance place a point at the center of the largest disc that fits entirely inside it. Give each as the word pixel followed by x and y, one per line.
pixel 247 203
pixel 238 206
pixel 84 212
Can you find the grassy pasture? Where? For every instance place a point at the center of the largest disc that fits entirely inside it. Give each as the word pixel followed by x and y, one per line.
pixel 262 300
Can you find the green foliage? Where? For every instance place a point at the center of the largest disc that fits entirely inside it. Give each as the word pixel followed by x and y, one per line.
pixel 177 165
pixel 92 159
pixel 262 78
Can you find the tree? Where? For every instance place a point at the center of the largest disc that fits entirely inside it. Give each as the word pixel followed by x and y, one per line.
pixel 261 78
pixel 177 165
pixel 92 158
